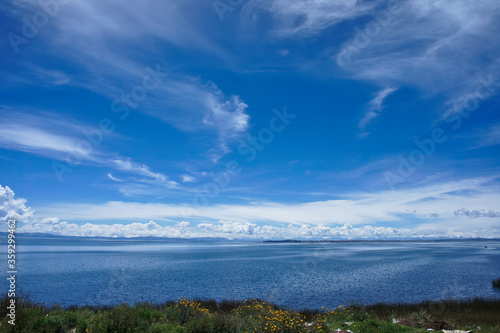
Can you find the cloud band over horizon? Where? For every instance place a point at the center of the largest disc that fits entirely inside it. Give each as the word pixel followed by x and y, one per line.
pixel 313 220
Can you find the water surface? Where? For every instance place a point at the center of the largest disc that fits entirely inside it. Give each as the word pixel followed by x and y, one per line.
pixel 79 271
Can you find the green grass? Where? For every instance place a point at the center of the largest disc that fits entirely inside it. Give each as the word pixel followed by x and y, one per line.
pixel 186 316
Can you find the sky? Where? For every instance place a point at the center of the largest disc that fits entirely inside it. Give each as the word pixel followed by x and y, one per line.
pixel 251 119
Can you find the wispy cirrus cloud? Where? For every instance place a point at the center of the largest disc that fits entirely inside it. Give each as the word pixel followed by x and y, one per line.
pixel 54 137
pixel 375 106
pixel 34 140
pixel 439 47
pixel 44 134
pixel 433 45
pixel 114 45
pixel 304 18
pixel 488 137
pixel 113 178
pixel 93 29
pixel 126 164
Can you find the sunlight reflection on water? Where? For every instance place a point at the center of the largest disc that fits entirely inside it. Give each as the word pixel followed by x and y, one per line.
pixel 97 272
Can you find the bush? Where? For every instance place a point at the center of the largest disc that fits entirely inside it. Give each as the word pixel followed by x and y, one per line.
pixel 186 316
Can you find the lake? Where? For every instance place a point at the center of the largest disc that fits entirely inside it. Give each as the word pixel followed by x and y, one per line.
pixel 80 271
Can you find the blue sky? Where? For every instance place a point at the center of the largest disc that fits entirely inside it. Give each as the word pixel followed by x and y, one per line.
pixel 251 119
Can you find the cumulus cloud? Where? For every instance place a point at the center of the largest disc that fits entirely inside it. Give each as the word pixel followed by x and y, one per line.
pixel 183 224
pixel 196 105
pixel 477 213
pixel 240 230
pixel 64 228
pixel 47 221
pixel 229 227
pixel 12 208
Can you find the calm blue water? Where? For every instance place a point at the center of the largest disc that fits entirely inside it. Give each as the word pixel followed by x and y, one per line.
pixel 72 271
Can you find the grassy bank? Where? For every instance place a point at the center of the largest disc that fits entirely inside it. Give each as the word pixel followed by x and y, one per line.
pixel 253 316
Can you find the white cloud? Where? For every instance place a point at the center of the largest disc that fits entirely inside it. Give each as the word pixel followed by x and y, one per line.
pixel 148 183
pixel 227 115
pixel 53 137
pixel 477 213
pixel 299 17
pixel 489 137
pixel 188 179
pixel 38 135
pixel 100 26
pixel 278 221
pixel 91 33
pixel 143 181
pixel 228 227
pixel 11 208
pixel 110 176
pixel 197 106
pixel 183 224
pixel 230 119
pixel 192 104
pixel 438 202
pixel 51 77
pixel 103 230
pixel 32 139
pixel 47 220
pixel 48 135
pixel 243 230
pixel 375 106
pixel 437 46
pixel 421 214
pixel 104 64
pixel 126 164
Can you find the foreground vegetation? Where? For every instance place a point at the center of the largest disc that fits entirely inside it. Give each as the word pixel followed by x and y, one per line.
pixel 253 316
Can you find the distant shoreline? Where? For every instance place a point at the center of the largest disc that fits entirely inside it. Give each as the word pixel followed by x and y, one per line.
pixel 381 240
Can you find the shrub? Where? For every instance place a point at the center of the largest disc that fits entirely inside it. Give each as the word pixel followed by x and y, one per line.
pixel 185 316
